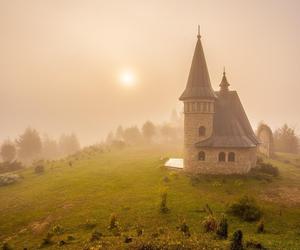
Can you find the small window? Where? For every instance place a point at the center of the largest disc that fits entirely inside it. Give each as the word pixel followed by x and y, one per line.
pixel 222 156
pixel 201 156
pixel 202 131
pixel 231 156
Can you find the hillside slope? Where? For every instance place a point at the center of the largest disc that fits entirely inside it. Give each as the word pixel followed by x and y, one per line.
pixel 128 183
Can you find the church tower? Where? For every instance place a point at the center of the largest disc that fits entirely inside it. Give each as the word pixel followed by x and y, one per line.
pixel 199 108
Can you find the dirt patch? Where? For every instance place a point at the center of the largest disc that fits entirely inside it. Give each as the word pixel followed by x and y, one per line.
pixel 39 227
pixel 285 195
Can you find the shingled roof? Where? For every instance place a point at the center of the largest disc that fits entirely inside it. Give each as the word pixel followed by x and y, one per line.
pixel 231 127
pixel 198 84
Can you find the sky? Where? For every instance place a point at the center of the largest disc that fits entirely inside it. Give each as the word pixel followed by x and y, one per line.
pixel 61 61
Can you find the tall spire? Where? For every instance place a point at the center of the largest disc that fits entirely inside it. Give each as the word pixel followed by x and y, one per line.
pixel 198 84
pixel 224 83
pixel 198 36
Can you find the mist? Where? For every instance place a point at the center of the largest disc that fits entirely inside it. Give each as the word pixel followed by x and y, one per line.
pixel 61 61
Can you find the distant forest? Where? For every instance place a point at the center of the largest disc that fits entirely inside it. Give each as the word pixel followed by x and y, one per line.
pixel 30 147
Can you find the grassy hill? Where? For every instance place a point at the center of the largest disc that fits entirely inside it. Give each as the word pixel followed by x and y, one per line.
pixel 81 198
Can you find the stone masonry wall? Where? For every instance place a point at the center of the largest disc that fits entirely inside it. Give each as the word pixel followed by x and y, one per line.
pixel 245 159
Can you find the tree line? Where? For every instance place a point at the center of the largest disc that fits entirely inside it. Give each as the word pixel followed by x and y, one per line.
pixel 168 132
pixel 286 140
pixel 30 146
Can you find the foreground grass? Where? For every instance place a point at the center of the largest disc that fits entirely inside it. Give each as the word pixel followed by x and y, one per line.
pixel 128 182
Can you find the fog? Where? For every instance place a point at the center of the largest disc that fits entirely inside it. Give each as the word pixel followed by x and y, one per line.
pixel 61 60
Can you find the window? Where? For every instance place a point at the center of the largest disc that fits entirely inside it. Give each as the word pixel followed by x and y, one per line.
pixel 231 156
pixel 201 156
pixel 202 131
pixel 222 156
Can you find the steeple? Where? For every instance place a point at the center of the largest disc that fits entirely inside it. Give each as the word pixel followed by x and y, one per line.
pixel 198 84
pixel 224 83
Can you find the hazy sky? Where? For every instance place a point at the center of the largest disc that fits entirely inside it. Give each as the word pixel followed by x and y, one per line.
pixel 60 61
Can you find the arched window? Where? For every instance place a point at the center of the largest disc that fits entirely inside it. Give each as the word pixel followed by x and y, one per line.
pixel 201 156
pixel 231 156
pixel 222 156
pixel 202 131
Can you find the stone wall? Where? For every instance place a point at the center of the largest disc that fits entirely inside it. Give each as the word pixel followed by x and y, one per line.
pixel 245 159
pixel 193 120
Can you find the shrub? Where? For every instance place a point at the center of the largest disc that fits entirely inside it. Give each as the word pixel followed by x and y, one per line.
pixel 95 236
pixel 5 246
pixel 10 166
pixel 209 223
pixel 237 241
pixel 139 230
pixel 7 179
pixel 163 203
pixel 184 228
pixel 255 245
pixel 127 239
pixel 246 209
pixel 261 227
pixel 113 222
pixel 268 169
pixel 166 179
pixel 222 229
pixel 39 169
pixel 57 230
pixel 47 240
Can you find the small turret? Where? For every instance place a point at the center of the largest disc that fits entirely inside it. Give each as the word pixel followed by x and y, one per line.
pixel 224 83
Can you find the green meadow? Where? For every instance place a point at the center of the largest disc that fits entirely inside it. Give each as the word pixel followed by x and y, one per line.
pixel 80 193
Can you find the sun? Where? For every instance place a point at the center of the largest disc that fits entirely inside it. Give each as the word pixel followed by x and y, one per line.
pixel 127 78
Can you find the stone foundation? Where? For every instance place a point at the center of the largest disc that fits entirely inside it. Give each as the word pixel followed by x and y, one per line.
pixel 245 159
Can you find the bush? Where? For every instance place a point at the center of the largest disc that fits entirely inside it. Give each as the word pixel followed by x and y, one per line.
pixel 5 246
pixel 47 240
pixel 163 203
pixel 261 227
pixel 255 245
pixel 184 228
pixel 39 169
pixel 113 222
pixel 268 168
pixel 209 223
pixel 10 166
pixel 222 229
pixel 95 236
pixel 246 209
pixel 57 230
pixel 237 241
pixel 7 179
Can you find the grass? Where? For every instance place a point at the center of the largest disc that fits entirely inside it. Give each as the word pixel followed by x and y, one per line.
pixel 128 182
